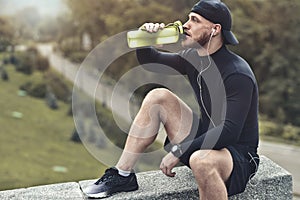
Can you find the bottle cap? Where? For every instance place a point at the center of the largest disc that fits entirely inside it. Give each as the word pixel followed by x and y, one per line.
pixel 178 25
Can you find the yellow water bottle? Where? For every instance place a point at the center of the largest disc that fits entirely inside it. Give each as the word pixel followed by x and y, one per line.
pixel 141 38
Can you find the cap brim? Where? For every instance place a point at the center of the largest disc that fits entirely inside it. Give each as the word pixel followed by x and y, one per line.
pixel 230 38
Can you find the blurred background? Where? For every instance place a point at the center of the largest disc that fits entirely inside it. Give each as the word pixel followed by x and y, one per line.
pixel 42 44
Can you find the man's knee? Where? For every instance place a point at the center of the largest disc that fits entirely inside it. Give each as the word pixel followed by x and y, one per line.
pixel 203 167
pixel 201 162
pixel 158 96
pixel 211 163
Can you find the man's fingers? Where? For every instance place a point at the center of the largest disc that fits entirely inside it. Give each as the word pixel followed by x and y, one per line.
pixel 164 170
pixel 161 25
pixel 170 173
pixel 167 171
pixel 153 27
pixel 158 26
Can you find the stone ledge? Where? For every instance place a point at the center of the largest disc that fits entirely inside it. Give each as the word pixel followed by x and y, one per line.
pixel 271 182
pixel 66 191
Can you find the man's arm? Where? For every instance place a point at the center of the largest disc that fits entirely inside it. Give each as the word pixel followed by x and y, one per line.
pixel 156 61
pixel 239 91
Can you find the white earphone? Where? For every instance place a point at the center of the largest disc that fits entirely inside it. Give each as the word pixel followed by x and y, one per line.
pixel 213 31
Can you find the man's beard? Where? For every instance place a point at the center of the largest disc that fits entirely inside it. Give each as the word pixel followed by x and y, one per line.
pixel 200 43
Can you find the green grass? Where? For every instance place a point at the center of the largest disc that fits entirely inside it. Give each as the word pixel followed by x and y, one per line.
pixel 31 146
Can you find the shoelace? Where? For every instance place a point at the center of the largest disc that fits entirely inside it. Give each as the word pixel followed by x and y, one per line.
pixel 109 173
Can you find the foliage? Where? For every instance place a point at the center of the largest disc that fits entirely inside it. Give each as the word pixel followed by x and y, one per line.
pixel 101 19
pixel 6 33
pixel 56 85
pixel 25 23
pixel 4 74
pixel 25 63
pixel 50 82
pixel 37 90
pixel 42 64
pixel 29 60
pixel 77 56
pixel 268 41
pixel 279 132
pixel 269 33
pixel 49 29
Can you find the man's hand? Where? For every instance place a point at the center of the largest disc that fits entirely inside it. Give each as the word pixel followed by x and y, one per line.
pixel 168 163
pixel 153 27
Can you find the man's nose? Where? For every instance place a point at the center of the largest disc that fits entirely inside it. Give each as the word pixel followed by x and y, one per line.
pixel 186 26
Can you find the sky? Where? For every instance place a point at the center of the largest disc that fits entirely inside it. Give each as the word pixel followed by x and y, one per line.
pixel 45 7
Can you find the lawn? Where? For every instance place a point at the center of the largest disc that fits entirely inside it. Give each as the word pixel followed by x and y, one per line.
pixel 36 149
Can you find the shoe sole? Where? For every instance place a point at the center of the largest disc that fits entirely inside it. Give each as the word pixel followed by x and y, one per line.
pixel 107 194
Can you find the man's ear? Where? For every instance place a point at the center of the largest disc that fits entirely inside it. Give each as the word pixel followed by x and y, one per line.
pixel 217 29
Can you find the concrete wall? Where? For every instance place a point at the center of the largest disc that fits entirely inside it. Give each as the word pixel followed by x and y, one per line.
pixel 271 182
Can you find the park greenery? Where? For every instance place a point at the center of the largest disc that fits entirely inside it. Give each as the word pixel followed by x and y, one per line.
pixel 268 32
pixel 38 145
pixel 269 35
pixel 36 142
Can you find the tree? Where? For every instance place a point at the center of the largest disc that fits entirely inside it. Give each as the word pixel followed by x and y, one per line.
pixel 49 29
pixel 6 33
pixel 26 23
pixel 89 16
pixel 269 33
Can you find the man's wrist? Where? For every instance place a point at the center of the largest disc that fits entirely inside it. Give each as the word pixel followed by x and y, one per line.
pixel 176 150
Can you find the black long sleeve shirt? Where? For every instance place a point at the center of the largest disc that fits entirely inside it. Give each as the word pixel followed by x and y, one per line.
pixel 235 115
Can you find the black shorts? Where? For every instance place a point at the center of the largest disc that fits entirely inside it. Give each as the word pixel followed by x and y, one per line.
pixel 245 165
pixel 245 161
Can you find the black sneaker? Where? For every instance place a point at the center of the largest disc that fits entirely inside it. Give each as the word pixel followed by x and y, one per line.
pixel 111 182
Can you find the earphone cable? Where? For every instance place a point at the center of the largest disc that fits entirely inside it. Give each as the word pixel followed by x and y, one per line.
pixel 199 78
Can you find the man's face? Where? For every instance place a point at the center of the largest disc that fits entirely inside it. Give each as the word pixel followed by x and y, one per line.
pixel 198 31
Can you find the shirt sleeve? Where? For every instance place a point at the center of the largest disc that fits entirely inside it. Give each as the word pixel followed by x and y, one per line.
pixel 239 90
pixel 151 59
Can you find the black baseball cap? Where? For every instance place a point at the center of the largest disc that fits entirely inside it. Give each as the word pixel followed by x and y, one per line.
pixel 217 12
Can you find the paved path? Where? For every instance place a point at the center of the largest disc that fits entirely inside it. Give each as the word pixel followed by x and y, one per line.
pixel 285 155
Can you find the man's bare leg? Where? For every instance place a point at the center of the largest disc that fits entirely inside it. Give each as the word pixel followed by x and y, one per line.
pixel 212 169
pixel 160 105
